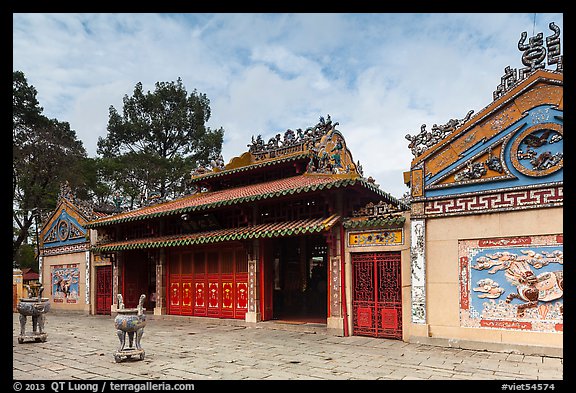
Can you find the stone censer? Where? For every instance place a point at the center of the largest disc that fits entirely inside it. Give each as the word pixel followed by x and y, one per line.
pixel 131 322
pixel 35 307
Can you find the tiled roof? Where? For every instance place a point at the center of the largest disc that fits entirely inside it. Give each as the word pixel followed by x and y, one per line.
pixel 244 168
pixel 278 229
pixel 376 222
pixel 232 196
pixel 29 274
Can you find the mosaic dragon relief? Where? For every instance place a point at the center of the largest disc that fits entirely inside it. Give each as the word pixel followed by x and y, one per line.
pixel 519 286
pixel 533 57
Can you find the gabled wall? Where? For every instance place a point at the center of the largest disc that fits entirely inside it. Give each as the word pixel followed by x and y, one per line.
pixel 65 259
pixel 487 218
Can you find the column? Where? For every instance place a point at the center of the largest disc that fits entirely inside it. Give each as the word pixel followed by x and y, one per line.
pixel 87 286
pixel 117 263
pixel 253 313
pixel 418 267
pixel 335 321
pixel 160 308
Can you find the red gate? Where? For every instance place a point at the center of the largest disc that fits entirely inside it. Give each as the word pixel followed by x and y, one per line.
pixel 103 289
pixel 376 297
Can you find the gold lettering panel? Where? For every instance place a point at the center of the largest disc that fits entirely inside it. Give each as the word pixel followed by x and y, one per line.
pixel 376 238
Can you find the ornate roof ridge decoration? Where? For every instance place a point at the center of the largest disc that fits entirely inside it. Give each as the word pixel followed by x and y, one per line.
pixel 533 59
pixel 86 208
pixel 322 143
pixel 379 209
pixel 424 140
pixel 292 141
pixel 372 215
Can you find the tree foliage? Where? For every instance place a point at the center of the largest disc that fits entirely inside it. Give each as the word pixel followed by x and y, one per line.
pixel 45 153
pixel 157 140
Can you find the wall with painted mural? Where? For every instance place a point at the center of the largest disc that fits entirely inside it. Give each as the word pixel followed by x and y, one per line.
pixel 65 281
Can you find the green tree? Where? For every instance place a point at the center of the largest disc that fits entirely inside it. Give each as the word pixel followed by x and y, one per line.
pixel 159 138
pixel 26 256
pixel 45 153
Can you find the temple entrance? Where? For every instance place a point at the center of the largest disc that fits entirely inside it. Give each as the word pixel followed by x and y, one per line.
pixel 139 277
pixel 299 267
pixel 103 289
pixel 377 294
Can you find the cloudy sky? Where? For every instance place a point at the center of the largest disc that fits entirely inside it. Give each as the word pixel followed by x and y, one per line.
pixel 381 76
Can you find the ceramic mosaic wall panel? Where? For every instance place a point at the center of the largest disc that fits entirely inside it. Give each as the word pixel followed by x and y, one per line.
pixel 512 283
pixel 65 279
pixel 418 268
pixel 65 230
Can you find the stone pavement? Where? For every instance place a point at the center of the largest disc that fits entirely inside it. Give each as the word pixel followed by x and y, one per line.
pixel 81 347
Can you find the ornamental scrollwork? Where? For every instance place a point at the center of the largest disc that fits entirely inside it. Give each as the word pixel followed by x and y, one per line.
pixel 475 170
pixel 533 57
pixel 279 145
pixel 422 141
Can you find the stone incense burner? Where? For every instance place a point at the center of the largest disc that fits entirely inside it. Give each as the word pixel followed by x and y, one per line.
pixel 131 322
pixel 35 307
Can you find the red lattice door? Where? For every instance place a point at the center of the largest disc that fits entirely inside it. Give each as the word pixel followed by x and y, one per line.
pixel 103 289
pixel 376 297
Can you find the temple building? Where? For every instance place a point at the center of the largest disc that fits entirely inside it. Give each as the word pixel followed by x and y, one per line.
pixel 261 238
pixel 487 214
pixel 291 230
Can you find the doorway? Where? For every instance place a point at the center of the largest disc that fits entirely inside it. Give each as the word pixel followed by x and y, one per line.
pixel 103 289
pixel 376 294
pixel 139 277
pixel 299 279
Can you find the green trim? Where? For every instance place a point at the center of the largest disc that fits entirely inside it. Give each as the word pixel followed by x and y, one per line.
pixel 381 222
pixel 206 239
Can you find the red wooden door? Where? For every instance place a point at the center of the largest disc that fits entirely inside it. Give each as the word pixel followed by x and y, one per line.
pixel 216 287
pixel 103 289
pixel 376 297
pixel 175 295
pixel 241 295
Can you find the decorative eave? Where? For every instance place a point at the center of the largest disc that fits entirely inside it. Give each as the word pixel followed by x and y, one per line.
pixel 271 230
pixel 380 215
pixel 209 200
pixel 391 221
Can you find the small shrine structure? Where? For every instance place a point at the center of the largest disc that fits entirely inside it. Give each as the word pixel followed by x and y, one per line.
pixel 74 279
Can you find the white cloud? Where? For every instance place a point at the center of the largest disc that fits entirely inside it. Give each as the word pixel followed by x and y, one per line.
pixel 380 76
